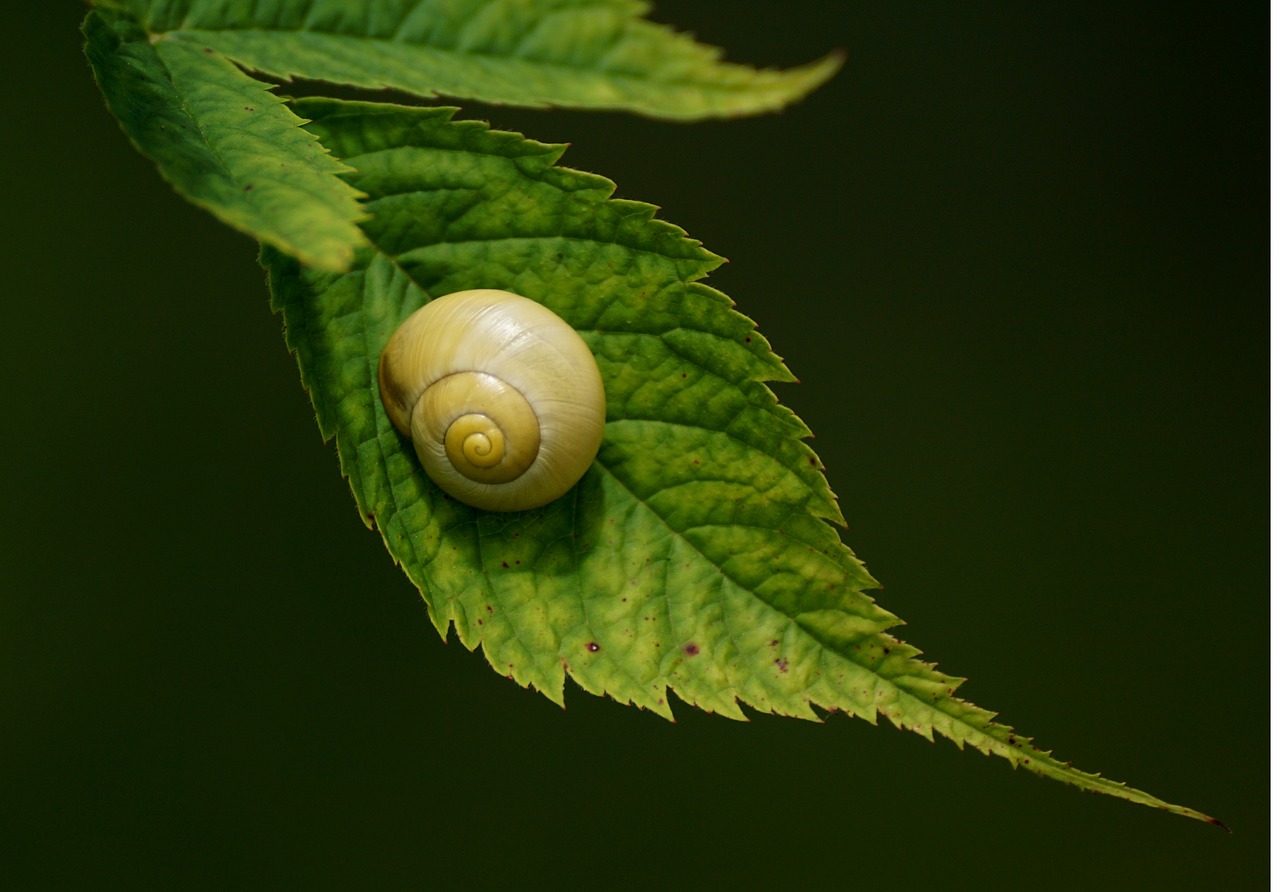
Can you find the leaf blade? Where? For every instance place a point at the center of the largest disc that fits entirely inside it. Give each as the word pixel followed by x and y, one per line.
pixel 598 54
pixel 224 142
pixel 697 555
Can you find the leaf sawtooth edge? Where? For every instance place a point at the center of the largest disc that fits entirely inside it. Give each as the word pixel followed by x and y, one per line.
pixel 919 682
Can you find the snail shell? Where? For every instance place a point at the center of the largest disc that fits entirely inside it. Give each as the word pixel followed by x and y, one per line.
pixel 502 398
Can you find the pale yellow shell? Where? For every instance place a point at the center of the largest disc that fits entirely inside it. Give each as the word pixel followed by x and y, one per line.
pixel 503 399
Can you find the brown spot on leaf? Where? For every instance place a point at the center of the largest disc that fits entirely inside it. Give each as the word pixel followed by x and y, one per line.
pixel 781 664
pixel 593 647
pixel 692 649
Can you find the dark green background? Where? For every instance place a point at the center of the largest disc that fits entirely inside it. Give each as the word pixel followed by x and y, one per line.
pixel 1018 255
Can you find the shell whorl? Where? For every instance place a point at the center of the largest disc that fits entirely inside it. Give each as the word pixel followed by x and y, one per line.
pixel 484 428
pixel 502 398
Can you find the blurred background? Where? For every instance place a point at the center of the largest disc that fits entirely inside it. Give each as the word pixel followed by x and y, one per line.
pixel 1017 254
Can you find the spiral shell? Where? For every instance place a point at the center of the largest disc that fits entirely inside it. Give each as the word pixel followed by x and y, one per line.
pixel 502 398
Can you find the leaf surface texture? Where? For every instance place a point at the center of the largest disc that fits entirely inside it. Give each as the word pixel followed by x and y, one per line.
pixel 698 554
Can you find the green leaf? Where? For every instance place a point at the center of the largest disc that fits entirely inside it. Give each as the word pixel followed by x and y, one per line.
pixel 224 142
pixel 697 555
pixel 581 53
